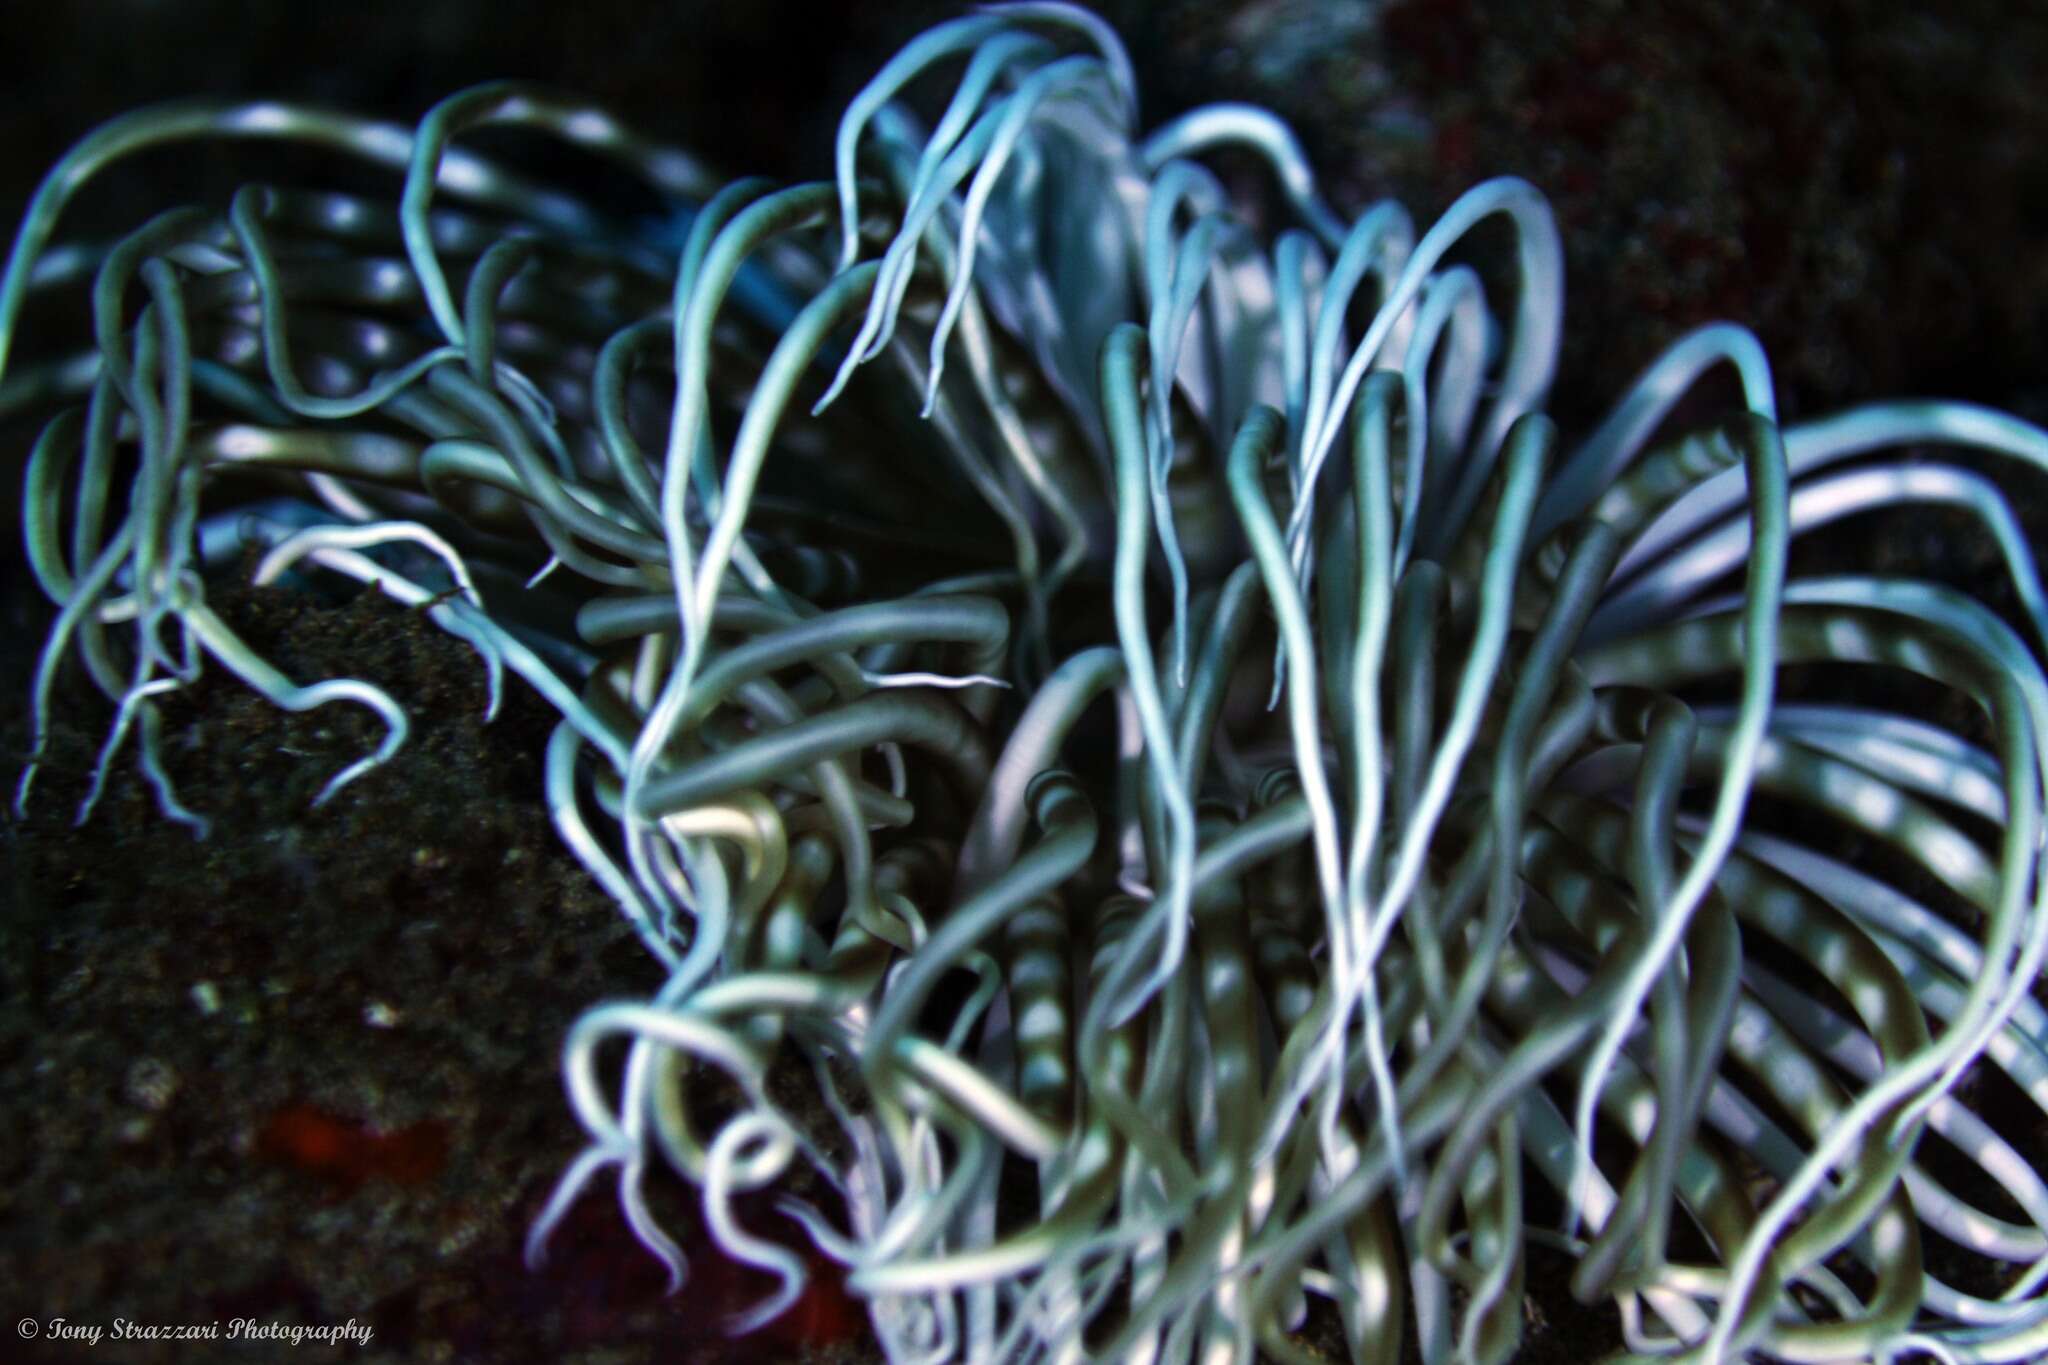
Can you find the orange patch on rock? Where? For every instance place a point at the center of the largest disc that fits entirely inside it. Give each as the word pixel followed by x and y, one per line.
pixel 345 1154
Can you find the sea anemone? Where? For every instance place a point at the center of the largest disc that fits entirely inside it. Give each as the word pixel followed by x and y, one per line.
pixel 1228 808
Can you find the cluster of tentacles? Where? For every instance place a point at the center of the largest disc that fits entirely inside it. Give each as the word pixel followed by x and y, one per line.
pixel 1230 809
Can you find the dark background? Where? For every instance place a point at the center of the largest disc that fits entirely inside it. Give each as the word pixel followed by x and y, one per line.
pixel 1863 181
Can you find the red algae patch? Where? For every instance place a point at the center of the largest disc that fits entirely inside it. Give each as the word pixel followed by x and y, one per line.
pixel 345 1154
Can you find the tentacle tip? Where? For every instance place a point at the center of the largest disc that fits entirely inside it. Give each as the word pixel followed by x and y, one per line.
pixel 21 790
pixel 343 778
pixel 832 392
pixel 536 1250
pixel 761 1314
